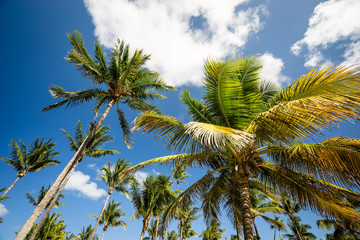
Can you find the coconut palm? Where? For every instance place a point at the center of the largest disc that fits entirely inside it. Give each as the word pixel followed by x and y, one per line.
pixel 300 231
pixel 39 156
pixel 40 196
pixel 123 79
pixel 172 236
pixel 342 230
pixel 242 118
pixel 117 179
pixel 93 150
pixel 53 228
pixel 278 225
pixel 111 217
pixel 186 214
pixel 179 173
pixel 188 232
pixel 151 200
pixel 86 233
pixel 213 231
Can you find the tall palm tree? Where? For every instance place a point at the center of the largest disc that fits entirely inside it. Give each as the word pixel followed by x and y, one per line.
pixel 241 118
pixel 123 79
pixel 213 231
pixel 39 156
pixel 179 174
pixel 41 195
pixel 278 225
pixel 117 179
pixel 86 233
pixel 188 232
pixel 186 214
pixel 111 217
pixel 93 150
pixel 172 236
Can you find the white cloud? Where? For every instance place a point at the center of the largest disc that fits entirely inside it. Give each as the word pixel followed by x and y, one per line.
pixel 352 54
pixel 3 210
pixel 140 176
pixel 93 165
pixel 332 21
pixel 178 34
pixel 271 70
pixel 81 184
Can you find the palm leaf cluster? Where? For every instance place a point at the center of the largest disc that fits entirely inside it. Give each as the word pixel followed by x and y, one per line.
pixel 240 120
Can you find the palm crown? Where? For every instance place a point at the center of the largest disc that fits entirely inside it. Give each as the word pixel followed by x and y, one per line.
pixel 124 77
pixel 241 118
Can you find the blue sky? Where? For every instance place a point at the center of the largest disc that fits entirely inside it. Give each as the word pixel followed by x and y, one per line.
pixel 289 36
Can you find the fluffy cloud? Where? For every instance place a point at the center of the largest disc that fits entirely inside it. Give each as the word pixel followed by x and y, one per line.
pixel 178 34
pixel 3 210
pixel 332 21
pixel 81 183
pixel 271 70
pixel 140 176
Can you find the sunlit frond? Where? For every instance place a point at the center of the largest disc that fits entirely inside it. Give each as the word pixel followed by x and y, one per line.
pixel 319 196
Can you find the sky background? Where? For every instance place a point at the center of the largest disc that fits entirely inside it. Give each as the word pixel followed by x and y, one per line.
pixel 289 36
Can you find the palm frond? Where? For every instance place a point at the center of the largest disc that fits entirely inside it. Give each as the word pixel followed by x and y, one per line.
pixel 125 127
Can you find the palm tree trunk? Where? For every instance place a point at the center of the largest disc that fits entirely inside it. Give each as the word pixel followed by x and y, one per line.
pixel 101 213
pixel 145 226
pixel 166 229
pixel 256 230
pixel 102 236
pixel 11 186
pixel 48 209
pixel 298 236
pixel 157 226
pixel 245 205
pixel 50 193
pixel 274 233
pixel 238 229
pixel 181 228
pixel 280 234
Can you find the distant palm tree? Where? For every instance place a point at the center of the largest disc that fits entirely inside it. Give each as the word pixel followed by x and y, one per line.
pixel 51 229
pixel 290 208
pixel 172 236
pixel 124 79
pixel 278 225
pixel 343 230
pixel 242 118
pixel 40 196
pixel 213 231
pixel 186 214
pixel 40 155
pixel 86 233
pixel 116 178
pixel 111 217
pixel 188 232
pixel 300 231
pixel 179 173
pixel 151 199
pixel 93 150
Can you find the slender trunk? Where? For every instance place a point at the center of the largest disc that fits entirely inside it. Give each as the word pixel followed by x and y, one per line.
pixel 48 209
pixel 280 235
pixel 181 228
pixel 11 186
pixel 274 233
pixel 145 226
pixel 295 226
pixel 256 230
pixel 104 230
pixel 238 229
pixel 50 193
pixel 166 229
pixel 101 212
pixel 245 205
pixel 157 226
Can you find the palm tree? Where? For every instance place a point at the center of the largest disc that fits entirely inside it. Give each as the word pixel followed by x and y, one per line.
pixel 290 208
pixel 53 228
pixel 92 150
pixel 151 200
pixel 126 81
pixel 186 214
pixel 172 236
pixel 342 229
pixel 179 173
pixel 111 217
pixel 242 118
pixel 86 233
pixel 213 231
pixel 116 178
pixel 278 225
pixel 40 155
pixel 188 232
pixel 300 231
pixel 41 195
